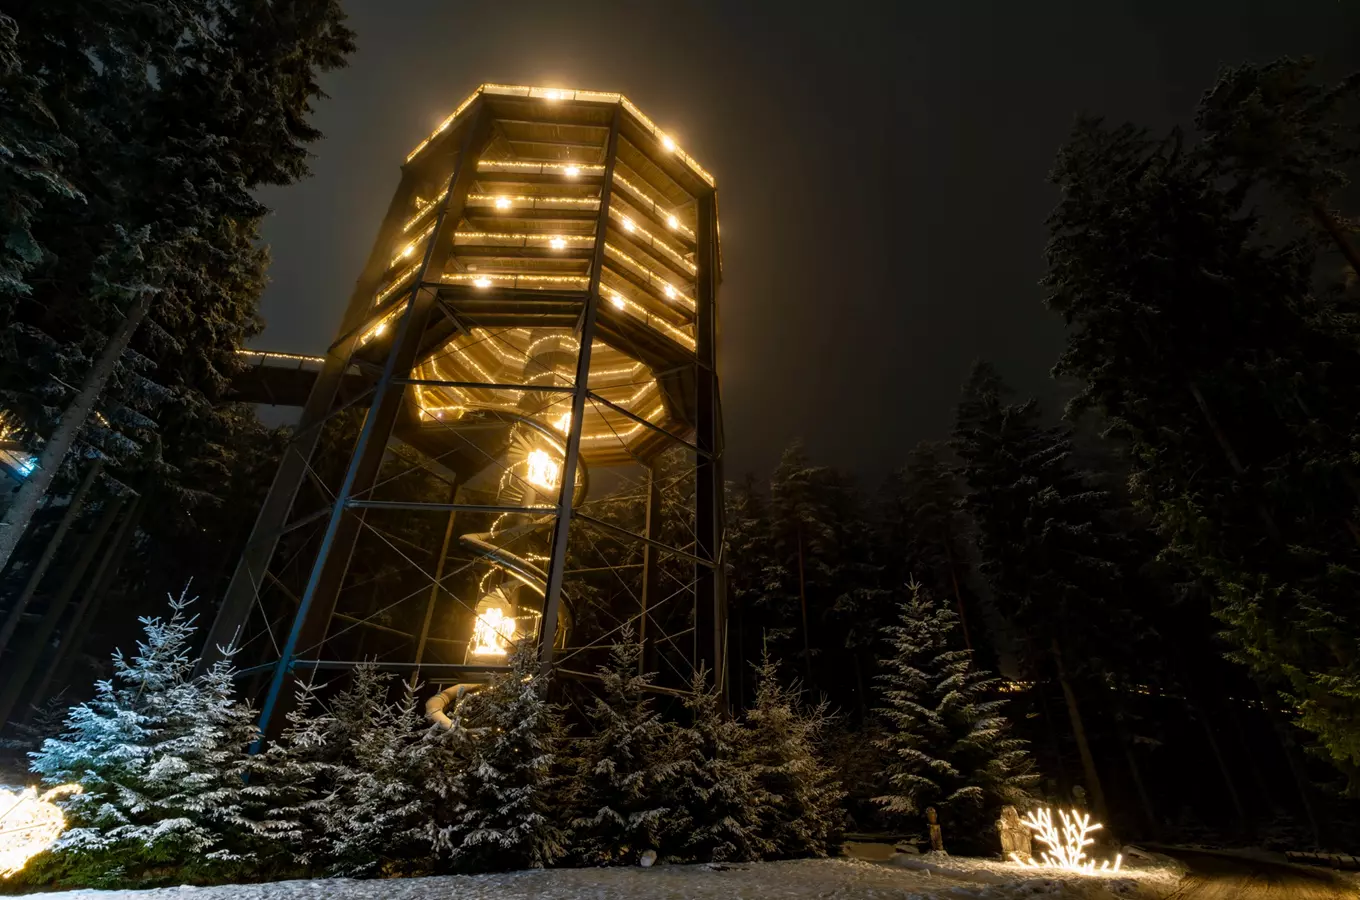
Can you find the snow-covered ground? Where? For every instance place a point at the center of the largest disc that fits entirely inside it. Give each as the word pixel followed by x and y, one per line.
pixel 919 878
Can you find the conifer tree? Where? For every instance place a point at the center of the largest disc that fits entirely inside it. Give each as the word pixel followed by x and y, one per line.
pixel 618 798
pixel 1225 362
pixel 802 815
pixel 503 816
pixel 717 801
pixel 160 757
pixel 382 820
pixel 948 745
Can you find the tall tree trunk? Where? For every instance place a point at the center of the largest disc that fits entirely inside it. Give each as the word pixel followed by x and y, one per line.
pixel 1149 812
pixel 802 602
pixel 954 581
pixel 1338 236
pixel 1229 785
pixel 21 669
pixel 73 417
pixel 58 673
pixel 1088 761
pixel 35 578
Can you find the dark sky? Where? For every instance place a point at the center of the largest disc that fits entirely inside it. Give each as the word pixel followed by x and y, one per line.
pixel 881 171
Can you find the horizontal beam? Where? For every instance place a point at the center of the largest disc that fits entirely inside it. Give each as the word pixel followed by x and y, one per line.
pixel 632 535
pixel 447 507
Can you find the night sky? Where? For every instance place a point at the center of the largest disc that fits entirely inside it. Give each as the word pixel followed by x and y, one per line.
pixel 881 172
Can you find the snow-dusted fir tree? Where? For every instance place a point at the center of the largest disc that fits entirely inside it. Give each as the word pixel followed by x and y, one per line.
pixel 503 816
pixel 803 814
pixel 160 757
pixel 948 744
pixel 714 797
pixel 617 798
pixel 382 819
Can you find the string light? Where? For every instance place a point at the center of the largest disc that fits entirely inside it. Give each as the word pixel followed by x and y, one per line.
pixel 29 823
pixel 672 221
pixel 571 171
pixel 482 282
pixel 617 300
pixel 502 203
pixel 670 292
pixel 1066 850
pixel 668 143
pixel 628 224
pixel 557 243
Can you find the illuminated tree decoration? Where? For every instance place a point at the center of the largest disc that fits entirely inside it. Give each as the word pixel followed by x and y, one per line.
pixel 543 470
pixel 29 824
pixel 1066 850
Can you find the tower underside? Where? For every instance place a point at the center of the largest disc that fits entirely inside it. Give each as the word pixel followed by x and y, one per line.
pixel 516 436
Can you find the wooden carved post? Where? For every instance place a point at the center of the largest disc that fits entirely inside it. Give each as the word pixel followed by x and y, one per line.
pixel 936 836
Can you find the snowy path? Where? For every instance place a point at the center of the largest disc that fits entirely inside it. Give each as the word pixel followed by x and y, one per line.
pixel 1217 877
pixel 838 879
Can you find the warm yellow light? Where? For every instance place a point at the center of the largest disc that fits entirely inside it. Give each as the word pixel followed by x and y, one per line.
pixel 410 248
pixel 617 301
pixel 563 423
pixel 628 225
pixel 672 221
pixel 571 171
pixel 551 95
pixel 29 823
pixel 494 629
pixel 557 243
pixel 543 470
pixel 1066 850
pixel 378 332
pixel 667 142
pixel 670 292
pixel 502 203
pixel 482 282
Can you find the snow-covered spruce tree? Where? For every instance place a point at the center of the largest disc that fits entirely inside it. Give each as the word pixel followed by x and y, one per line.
pixel 160 756
pixel 715 799
pixel 948 745
pixel 617 798
pixel 803 815
pixel 383 817
pixel 503 815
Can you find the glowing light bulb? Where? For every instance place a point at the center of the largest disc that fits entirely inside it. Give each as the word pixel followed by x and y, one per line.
pixel 410 248
pixel 672 221
pixel 571 171
pixel 494 628
pixel 618 301
pixel 670 292
pixel 543 470
pixel 502 203
pixel 483 282
pixel 557 243
pixel 551 95
pixel 667 142
pixel 382 327
pixel 563 423
pixel 628 225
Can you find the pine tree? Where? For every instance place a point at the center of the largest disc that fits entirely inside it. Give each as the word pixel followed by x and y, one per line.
pixel 171 114
pixel 1225 363
pixel 618 799
pixel 948 744
pixel 383 817
pixel 160 757
pixel 803 815
pixel 716 800
pixel 1058 565
pixel 503 817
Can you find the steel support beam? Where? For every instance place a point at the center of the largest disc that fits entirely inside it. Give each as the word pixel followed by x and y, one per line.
pixel 710 589
pixel 308 630
pixel 552 595
pixel 272 521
